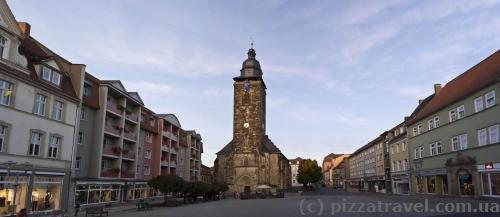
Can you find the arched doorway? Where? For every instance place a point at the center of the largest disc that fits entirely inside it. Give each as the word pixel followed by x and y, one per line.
pixel 466 186
pixel 244 184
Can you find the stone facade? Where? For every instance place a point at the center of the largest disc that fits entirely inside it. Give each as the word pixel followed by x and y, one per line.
pixel 251 158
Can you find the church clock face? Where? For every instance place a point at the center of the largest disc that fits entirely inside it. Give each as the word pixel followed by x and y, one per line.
pixel 246 125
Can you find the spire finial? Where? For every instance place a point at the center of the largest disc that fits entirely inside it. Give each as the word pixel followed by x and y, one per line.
pixel 251 42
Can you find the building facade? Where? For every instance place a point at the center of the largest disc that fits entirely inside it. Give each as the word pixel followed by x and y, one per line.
pixel 294 166
pixel 39 102
pixel 368 167
pixel 399 158
pixel 338 171
pixel 454 138
pixel 251 158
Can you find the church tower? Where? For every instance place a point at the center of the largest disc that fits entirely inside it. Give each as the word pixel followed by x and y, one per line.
pixel 251 159
pixel 249 117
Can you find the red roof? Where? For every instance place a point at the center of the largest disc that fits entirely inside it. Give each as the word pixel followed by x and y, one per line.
pixel 476 78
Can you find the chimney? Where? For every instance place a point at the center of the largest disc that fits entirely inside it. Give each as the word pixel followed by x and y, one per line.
pixel 25 28
pixel 437 88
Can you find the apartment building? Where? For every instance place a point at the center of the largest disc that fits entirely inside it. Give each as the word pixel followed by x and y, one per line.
pixel 107 146
pixel 149 145
pixel 190 150
pixel 207 174
pixel 367 167
pixel 170 130
pixel 39 102
pixel 294 164
pixel 454 138
pixel 399 159
pixel 326 167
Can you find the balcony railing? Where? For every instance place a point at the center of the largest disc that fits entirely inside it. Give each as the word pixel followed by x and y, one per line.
pixel 166 133
pixel 114 129
pixel 109 172
pixel 129 135
pixel 165 148
pixel 174 137
pixel 173 151
pixel 129 155
pixel 128 174
pixel 111 106
pixel 132 116
pixel 173 164
pixel 164 163
pixel 111 150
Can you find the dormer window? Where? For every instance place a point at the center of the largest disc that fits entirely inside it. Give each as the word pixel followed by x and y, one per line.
pixel 51 75
pixel 2 45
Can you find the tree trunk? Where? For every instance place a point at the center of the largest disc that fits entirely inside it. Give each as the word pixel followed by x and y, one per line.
pixel 165 202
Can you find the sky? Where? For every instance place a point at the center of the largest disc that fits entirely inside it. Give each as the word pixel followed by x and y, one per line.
pixel 339 73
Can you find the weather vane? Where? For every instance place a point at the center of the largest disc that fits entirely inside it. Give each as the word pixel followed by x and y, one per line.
pixel 251 42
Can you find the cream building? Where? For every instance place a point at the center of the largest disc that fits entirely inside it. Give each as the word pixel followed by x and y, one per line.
pixel 40 94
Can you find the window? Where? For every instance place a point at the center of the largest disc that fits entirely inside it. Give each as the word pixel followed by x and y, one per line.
pixel 51 75
pixel 78 163
pixel 106 141
pixel 436 122
pixel 57 110
pixel 479 104
pixel 35 143
pixel 419 129
pixel 5 92
pixel 152 122
pixel 397 148
pixel 54 143
pixel 490 99
pixel 80 138
pixel 83 114
pixel 143 118
pixel 406 165
pixel 393 166
pixel 147 171
pixel 87 89
pixel 481 137
pixel 453 115
pixel 3 132
pixel 40 101
pixel 419 152
pixel 400 165
pixel 392 149
pixel 147 154
pixel 493 134
pixel 436 148
pixel 461 112
pixel 403 146
pixel 455 145
pixel 463 141
pixel 431 124
pixel 2 46
pixel 149 138
pixel 415 132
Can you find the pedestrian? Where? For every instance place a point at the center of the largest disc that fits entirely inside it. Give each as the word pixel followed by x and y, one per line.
pixel 22 213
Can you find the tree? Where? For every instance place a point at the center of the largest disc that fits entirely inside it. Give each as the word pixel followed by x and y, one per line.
pixel 167 184
pixel 309 172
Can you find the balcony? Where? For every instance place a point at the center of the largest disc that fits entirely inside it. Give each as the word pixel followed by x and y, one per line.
pixel 165 148
pixel 166 133
pixel 111 150
pixel 128 174
pixel 174 137
pixel 173 151
pixel 132 117
pixel 164 163
pixel 128 155
pixel 173 164
pixel 110 172
pixel 113 108
pixel 112 129
pixel 129 135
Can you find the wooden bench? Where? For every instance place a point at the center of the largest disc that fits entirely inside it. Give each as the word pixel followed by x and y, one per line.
pixel 95 210
pixel 141 206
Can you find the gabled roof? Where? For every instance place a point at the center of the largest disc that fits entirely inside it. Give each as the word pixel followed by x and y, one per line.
pixel 296 160
pixel 476 78
pixel 136 96
pixel 116 84
pixel 171 118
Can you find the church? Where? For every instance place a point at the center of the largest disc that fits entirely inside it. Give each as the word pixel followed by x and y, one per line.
pixel 251 158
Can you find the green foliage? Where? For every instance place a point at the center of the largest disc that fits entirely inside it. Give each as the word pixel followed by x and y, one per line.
pixel 167 183
pixel 309 172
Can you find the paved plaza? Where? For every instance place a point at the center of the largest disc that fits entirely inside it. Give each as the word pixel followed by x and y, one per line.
pixel 325 202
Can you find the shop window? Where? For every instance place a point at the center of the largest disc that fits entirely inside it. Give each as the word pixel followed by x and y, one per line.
pixel 485 183
pixel 444 180
pixel 46 194
pixel 431 184
pixel 495 183
pixel 420 184
pixel 465 182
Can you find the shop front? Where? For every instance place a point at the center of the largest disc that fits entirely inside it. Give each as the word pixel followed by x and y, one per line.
pixel 490 179
pixel 400 182
pixel 103 192
pixel 432 181
pixel 38 192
